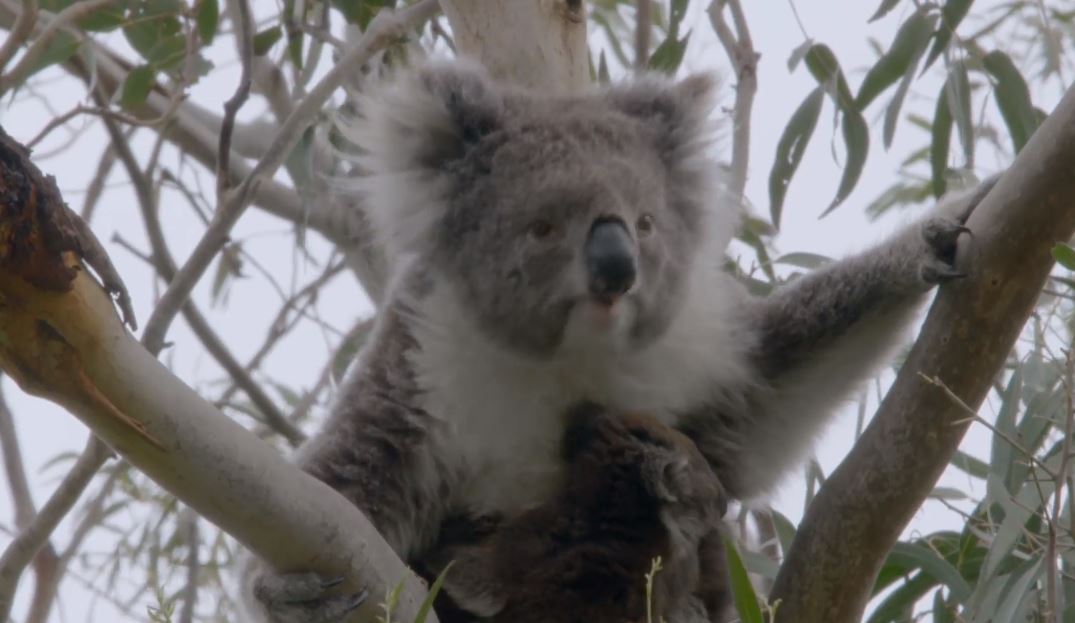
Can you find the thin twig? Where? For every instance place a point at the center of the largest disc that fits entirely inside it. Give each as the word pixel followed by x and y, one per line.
pixel 41 42
pixel 45 563
pixel 384 29
pixel 643 28
pixel 282 325
pixel 245 39
pixel 97 184
pixel 189 520
pixel 740 50
pixel 20 31
pixel 33 537
pixel 973 415
pixel 164 264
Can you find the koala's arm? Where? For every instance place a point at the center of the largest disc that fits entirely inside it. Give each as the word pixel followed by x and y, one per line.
pixel 377 450
pixel 818 337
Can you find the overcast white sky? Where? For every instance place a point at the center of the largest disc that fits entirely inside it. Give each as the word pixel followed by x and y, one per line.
pixel 46 430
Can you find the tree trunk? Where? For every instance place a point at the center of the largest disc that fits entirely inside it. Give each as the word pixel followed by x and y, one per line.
pixel 866 503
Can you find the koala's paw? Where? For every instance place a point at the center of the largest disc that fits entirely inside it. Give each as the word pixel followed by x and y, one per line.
pixel 303 598
pixel 941 237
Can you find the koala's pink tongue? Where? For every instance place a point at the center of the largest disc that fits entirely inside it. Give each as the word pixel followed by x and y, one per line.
pixel 603 311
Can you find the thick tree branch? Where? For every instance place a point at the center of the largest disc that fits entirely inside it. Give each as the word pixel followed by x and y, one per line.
pixel 539 44
pixel 60 339
pixel 868 500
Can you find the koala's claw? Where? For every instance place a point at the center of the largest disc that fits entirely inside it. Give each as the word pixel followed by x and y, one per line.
pixel 941 235
pixel 304 598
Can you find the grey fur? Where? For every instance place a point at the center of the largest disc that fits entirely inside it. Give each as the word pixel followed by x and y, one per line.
pixel 457 405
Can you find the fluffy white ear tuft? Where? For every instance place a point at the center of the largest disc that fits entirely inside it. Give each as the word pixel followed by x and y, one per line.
pixel 409 128
pixel 678 110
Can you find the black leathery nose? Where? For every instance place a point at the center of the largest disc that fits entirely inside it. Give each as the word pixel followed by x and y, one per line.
pixel 610 258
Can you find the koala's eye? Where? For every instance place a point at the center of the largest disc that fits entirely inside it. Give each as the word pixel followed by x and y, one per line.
pixel 645 225
pixel 540 230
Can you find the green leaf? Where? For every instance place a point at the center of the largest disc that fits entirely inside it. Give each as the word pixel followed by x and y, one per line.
pixel 857 141
pixel 970 465
pixel 361 12
pixel 1065 255
pixel 1013 595
pixel 957 90
pixel 941 612
pixel 669 54
pixel 825 68
pixel 136 86
pixel 947 493
pixel 790 149
pixel 923 557
pixel 952 13
pixel 603 76
pixel 901 601
pixel 154 31
pixel 427 604
pixel 809 261
pixel 746 600
pixel 886 6
pixel 264 40
pixel 1000 459
pixel 207 17
pixel 907 46
pixel 799 53
pixel 105 19
pixel 940 139
pixel 62 47
pixel 294 47
pixel 1013 98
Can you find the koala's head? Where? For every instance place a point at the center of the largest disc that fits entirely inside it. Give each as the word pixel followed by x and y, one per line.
pixel 548 216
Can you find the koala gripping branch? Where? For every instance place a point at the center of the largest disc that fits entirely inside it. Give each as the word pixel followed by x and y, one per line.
pixel 866 502
pixel 61 339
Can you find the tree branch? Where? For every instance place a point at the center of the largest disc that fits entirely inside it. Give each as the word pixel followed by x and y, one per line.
pixel 46 562
pixel 867 501
pixel 740 50
pixel 34 536
pixel 20 31
pixel 385 28
pixel 245 36
pixel 41 42
pixel 643 26
pixel 61 339
pixel 539 44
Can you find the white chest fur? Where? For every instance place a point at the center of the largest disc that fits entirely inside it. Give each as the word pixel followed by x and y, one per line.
pixel 504 414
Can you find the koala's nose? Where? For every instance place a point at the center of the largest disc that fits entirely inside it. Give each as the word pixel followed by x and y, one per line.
pixel 610 259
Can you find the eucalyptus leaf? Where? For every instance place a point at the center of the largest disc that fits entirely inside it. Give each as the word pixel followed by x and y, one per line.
pixel 790 149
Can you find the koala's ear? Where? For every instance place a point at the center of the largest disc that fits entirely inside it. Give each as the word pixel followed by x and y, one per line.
pixel 408 129
pixel 678 111
pixel 424 118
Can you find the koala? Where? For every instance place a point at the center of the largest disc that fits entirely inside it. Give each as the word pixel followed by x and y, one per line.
pixel 635 490
pixel 552 249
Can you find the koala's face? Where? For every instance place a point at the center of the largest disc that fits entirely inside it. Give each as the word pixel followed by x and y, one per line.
pixel 553 219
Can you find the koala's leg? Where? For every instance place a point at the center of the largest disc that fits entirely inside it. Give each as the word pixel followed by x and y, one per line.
pixel 820 336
